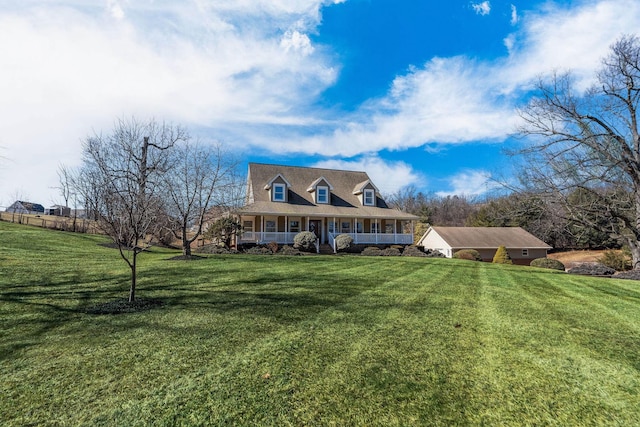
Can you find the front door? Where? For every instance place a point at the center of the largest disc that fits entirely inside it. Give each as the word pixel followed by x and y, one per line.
pixel 315 226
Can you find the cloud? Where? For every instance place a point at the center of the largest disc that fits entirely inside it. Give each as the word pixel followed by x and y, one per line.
pixel 469 183
pixel 459 99
pixel 114 8
pixel 483 8
pixel 514 15
pixel 389 176
pixel 71 67
pixel 249 73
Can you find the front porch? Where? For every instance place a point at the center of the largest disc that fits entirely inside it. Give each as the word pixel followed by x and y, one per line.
pixel 262 229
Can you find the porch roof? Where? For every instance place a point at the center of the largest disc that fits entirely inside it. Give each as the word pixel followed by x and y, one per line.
pixel 324 211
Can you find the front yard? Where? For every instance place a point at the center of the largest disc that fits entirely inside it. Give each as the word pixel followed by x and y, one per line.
pixel 275 340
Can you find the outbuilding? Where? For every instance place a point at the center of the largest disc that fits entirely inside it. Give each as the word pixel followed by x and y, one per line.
pixel 522 246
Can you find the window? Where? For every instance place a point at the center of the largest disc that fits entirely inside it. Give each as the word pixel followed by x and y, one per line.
pixel 322 195
pixel 359 226
pixel 294 226
pixel 369 197
pixel 375 227
pixel 247 226
pixel 345 227
pixel 332 226
pixel 525 252
pixel 278 192
pixel 270 226
pixel 388 228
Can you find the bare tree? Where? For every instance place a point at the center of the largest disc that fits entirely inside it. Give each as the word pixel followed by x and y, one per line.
pixel 201 177
pixel 121 181
pixel 590 141
pixel 65 183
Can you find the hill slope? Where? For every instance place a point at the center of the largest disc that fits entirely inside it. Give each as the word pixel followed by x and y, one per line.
pixel 269 340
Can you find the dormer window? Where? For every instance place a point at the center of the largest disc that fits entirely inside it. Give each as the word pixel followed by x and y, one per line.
pixel 279 192
pixel 278 188
pixel 322 195
pixel 366 192
pixel 321 191
pixel 369 197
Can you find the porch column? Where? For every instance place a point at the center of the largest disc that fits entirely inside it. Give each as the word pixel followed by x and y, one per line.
pixel 261 229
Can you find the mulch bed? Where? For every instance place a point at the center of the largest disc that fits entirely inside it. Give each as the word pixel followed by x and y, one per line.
pixel 631 275
pixel 186 258
pixel 124 306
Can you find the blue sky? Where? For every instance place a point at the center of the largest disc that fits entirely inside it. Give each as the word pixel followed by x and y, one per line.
pixel 414 92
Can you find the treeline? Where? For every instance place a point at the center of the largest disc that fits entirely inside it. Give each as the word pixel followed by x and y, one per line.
pixel 550 220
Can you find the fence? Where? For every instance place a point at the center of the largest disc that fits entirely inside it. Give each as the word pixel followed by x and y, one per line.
pixel 79 225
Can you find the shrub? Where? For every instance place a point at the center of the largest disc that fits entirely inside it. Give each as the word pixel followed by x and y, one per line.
pixel 305 241
pixel 343 242
pixel 468 254
pixel 259 250
pixel 616 260
pixel 502 256
pixel 432 253
pixel 553 264
pixel 413 251
pixel 390 252
pixel 371 251
pixel 288 250
pixel 214 249
pixel 273 246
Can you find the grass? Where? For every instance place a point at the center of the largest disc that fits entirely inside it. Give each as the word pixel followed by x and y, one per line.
pixel 271 340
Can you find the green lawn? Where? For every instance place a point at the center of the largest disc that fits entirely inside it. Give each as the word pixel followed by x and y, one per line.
pixel 313 340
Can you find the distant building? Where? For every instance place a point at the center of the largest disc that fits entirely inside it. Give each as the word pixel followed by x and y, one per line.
pixel 22 207
pixel 59 210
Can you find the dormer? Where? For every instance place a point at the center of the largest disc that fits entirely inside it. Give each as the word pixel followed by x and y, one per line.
pixel 366 192
pixel 321 191
pixel 278 188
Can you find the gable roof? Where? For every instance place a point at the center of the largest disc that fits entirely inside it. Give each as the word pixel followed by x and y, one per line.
pixel 300 202
pixel 488 237
pixel 359 188
pixel 317 182
pixel 30 206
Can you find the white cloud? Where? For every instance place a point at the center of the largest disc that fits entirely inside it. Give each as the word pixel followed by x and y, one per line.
pixel 388 176
pixel 514 15
pixel 247 71
pixel 69 67
pixel 295 41
pixel 483 8
pixel 458 99
pixel 564 39
pixel 470 183
pixel 115 9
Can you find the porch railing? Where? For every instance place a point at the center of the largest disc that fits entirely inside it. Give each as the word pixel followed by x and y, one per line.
pixel 375 239
pixel 266 237
pixel 358 238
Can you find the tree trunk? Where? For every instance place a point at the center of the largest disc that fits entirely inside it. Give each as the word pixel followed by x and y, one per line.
pixel 132 291
pixel 186 244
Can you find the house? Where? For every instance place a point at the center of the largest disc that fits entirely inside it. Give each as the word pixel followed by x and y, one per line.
pixel 21 207
pixel 282 201
pixel 59 210
pixel 522 246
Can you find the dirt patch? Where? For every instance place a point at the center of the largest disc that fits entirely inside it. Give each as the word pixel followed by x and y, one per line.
pixel 572 259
